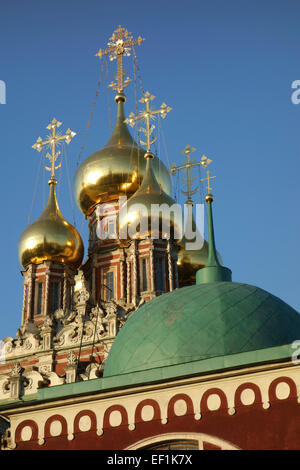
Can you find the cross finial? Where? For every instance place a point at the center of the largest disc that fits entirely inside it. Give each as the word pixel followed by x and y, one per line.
pixel 119 45
pixel 52 140
pixel 147 115
pixel 208 181
pixel 204 161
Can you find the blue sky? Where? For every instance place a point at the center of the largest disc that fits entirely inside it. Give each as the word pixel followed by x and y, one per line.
pixel 225 68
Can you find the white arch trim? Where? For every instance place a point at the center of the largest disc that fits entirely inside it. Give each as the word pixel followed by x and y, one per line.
pixel 195 436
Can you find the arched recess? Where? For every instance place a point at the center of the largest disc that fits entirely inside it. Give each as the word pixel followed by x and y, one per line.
pixel 180 397
pixel 192 436
pixel 27 423
pixel 282 380
pixel 213 391
pixel 85 413
pixel 109 411
pixel 141 405
pixel 244 387
pixel 53 419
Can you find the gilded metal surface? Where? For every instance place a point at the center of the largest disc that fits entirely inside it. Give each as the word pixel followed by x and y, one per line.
pixel 147 116
pixel 149 193
pixel 188 165
pixel 52 141
pixel 208 181
pixel 119 46
pixel 189 261
pixel 115 170
pixel 140 221
pixel 51 237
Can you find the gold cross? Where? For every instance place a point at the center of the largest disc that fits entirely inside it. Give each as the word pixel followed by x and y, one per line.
pixel 188 166
pixel 208 180
pixel 147 115
pixel 53 140
pixel 119 45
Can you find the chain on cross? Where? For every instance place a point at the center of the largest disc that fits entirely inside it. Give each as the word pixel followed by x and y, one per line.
pixel 188 165
pixel 52 140
pixel 119 45
pixel 147 115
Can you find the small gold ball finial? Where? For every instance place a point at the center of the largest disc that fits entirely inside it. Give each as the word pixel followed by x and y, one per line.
pixel 209 197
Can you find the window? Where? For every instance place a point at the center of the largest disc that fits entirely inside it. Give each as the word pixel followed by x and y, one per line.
pixel 25 302
pixel 160 274
pixel 109 285
pixel 108 228
pixel 111 227
pixel 144 274
pixel 39 298
pixel 54 296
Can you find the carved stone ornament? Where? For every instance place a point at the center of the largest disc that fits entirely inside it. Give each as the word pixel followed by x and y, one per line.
pixel 82 297
pixel 48 323
pixel 72 359
pixel 111 308
pixel 96 312
pixel 59 314
pixel 16 370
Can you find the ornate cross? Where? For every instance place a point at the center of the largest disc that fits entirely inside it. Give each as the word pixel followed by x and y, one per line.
pixel 208 180
pixel 53 140
pixel 188 166
pixel 119 45
pixel 147 115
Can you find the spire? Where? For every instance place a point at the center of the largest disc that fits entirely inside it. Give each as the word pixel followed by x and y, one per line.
pixel 213 271
pixel 121 135
pixel 149 183
pixel 150 191
pixel 51 237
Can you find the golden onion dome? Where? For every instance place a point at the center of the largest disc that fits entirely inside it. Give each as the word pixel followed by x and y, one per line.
pixel 115 170
pixel 51 237
pixel 137 219
pixel 189 261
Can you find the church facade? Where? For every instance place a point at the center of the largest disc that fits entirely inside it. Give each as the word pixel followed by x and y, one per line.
pixel 143 345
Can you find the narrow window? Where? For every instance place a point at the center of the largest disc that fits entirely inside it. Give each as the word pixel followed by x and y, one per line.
pixel 144 274
pixel 111 227
pixel 39 298
pixel 160 274
pixel 109 285
pixel 54 296
pixel 25 302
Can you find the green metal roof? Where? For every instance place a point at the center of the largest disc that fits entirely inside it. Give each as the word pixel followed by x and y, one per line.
pixel 157 375
pixel 201 322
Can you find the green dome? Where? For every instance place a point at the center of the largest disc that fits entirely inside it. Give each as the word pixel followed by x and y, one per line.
pixel 199 322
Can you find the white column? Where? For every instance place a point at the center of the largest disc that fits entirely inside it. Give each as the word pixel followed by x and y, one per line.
pixel 65 293
pixel 151 259
pixel 47 285
pixel 170 267
pixel 134 272
pixel 128 281
pixel 122 278
pixel 30 289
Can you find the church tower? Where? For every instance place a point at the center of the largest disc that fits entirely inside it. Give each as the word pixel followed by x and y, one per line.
pixel 126 270
pixel 50 250
pixel 73 309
